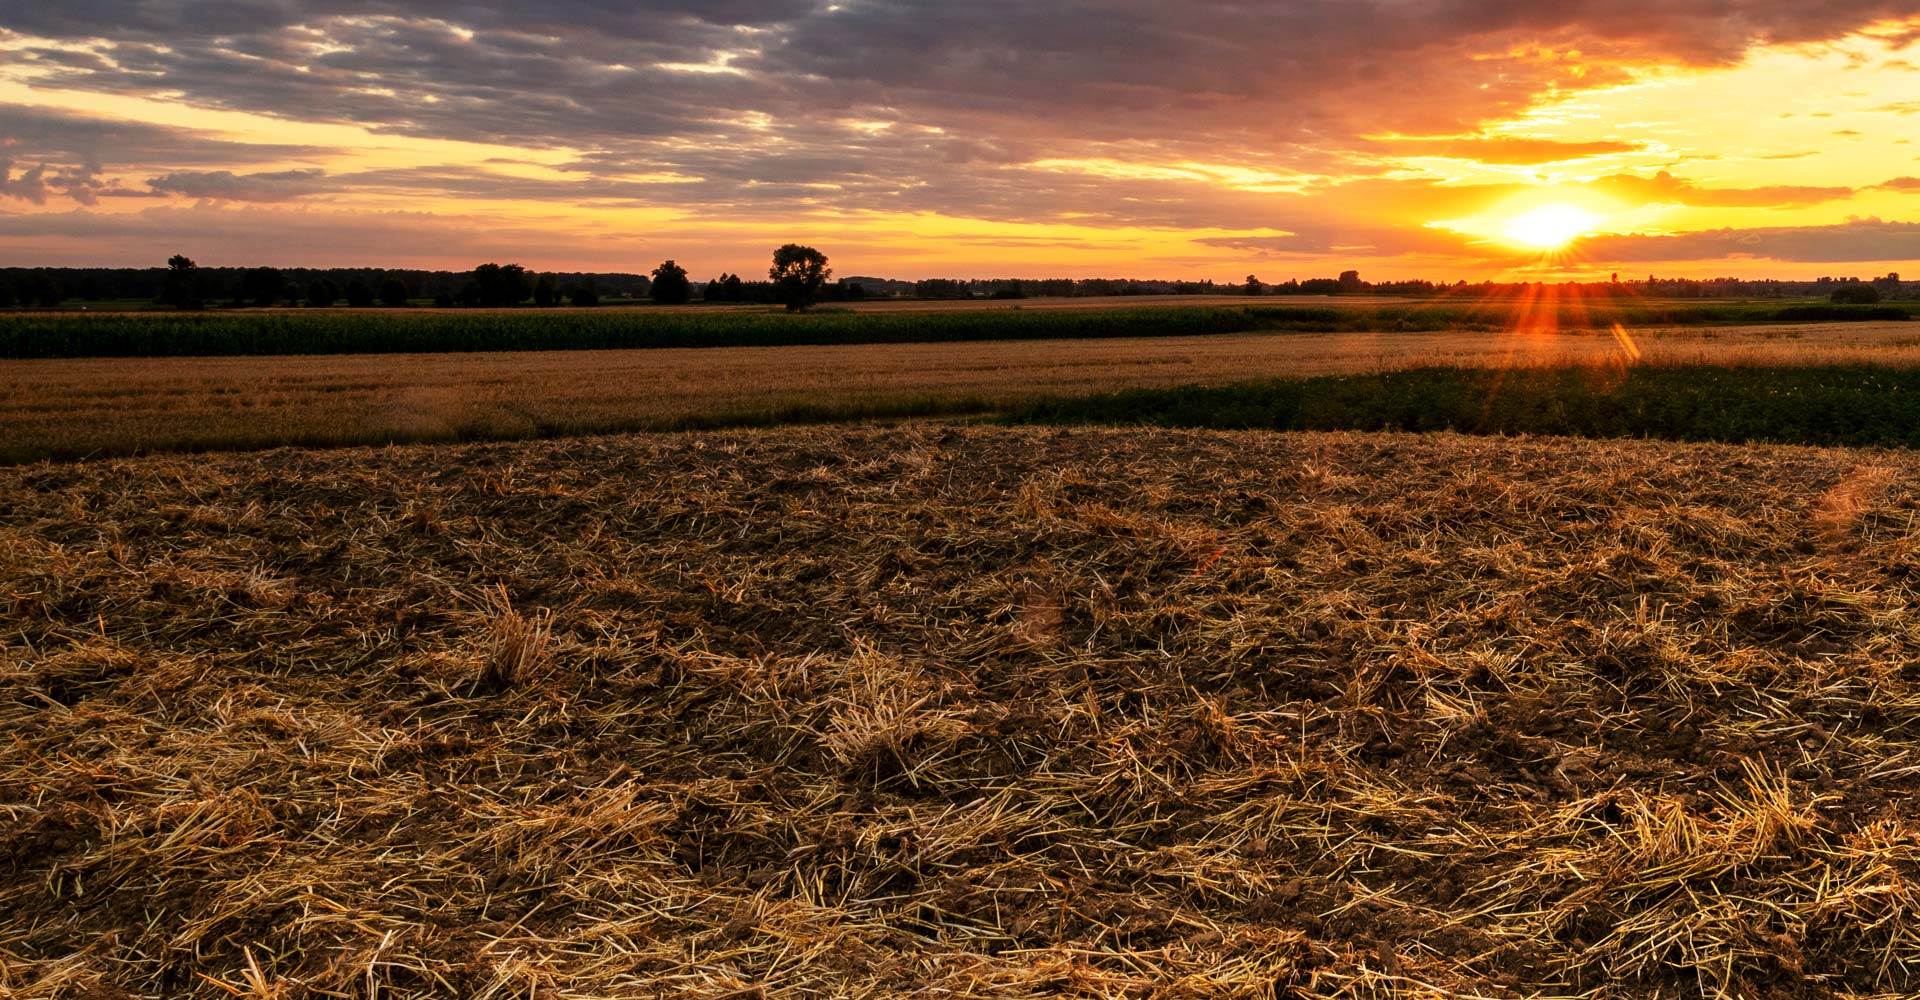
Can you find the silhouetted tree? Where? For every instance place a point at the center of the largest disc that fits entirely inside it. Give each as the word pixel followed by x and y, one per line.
pixel 856 292
pixel 797 274
pixel 178 288
pixel 322 293
pixel 394 293
pixel 545 295
pixel 586 295
pixel 358 294
pixel 1255 286
pixel 1860 294
pixel 1350 282
pixel 500 285
pixel 670 284
pixel 263 286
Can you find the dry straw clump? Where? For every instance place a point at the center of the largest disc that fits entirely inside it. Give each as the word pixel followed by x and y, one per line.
pixel 517 646
pixel 963 713
pixel 888 713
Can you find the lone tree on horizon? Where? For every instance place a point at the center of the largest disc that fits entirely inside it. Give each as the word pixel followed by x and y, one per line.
pixel 179 283
pixel 670 285
pixel 797 274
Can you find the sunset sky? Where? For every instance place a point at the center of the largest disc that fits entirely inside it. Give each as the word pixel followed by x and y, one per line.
pixel 1436 139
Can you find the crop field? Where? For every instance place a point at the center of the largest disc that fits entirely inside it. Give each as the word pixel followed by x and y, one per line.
pixel 296 332
pixel 1857 405
pixel 964 712
pixel 67 408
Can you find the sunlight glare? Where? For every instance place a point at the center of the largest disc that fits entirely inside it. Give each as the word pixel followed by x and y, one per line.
pixel 1551 226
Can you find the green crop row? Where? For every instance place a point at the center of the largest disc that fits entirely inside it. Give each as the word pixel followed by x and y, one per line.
pixel 70 335
pixel 1854 405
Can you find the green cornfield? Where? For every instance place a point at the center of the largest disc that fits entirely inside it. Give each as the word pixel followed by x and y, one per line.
pixel 148 334
pixel 1849 405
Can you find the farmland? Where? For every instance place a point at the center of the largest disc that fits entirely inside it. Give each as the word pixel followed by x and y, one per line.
pixel 72 408
pixel 965 712
pixel 1798 404
pixel 960 708
pixel 297 332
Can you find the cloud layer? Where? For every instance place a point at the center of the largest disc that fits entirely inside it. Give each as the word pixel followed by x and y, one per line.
pixel 1009 111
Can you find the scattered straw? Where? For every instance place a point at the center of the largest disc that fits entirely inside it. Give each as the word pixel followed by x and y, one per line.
pixel 963 713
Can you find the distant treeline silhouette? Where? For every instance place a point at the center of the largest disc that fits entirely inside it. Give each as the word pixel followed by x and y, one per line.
pixel 242 286
pixel 1350 283
pixel 186 285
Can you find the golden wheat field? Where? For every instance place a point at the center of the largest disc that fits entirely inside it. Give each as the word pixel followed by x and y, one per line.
pixel 117 406
pixel 961 712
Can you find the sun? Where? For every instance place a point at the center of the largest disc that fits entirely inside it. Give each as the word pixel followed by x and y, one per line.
pixel 1551 226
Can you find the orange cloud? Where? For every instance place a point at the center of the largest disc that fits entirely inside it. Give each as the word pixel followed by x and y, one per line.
pixel 1507 149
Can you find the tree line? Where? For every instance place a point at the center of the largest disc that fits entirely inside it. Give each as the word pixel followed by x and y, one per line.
pixel 798 278
pixel 268 286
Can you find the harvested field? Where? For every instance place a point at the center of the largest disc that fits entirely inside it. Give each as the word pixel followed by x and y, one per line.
pixel 93 407
pixel 963 712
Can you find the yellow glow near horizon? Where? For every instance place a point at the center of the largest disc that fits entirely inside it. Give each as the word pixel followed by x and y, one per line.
pixel 1535 224
pixel 1551 226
